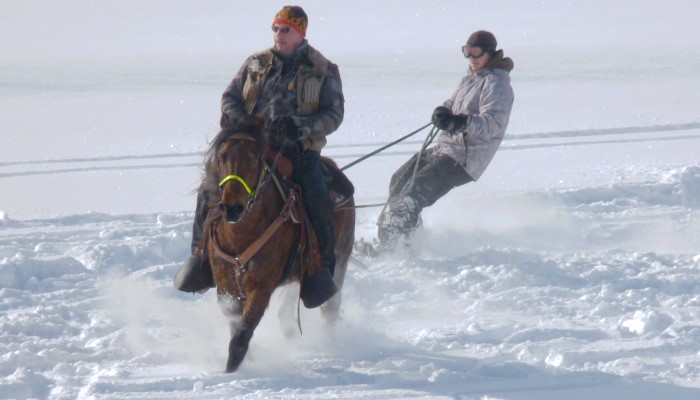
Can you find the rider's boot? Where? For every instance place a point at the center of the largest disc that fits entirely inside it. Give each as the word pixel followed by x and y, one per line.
pixel 195 276
pixel 316 289
pixel 398 220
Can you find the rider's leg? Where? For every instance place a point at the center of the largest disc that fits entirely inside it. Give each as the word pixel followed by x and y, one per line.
pixel 436 175
pixel 308 173
pixel 195 275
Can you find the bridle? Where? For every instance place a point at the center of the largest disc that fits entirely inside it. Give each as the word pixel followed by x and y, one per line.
pixel 268 173
pixel 289 212
pixel 252 191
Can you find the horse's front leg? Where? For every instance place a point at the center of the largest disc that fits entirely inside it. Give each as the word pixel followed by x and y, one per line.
pixel 242 330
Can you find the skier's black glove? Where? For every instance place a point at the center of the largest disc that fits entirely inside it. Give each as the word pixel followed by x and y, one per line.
pixel 448 122
pixel 439 115
pixel 283 131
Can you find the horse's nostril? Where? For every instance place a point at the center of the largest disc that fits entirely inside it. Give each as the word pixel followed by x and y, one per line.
pixel 232 213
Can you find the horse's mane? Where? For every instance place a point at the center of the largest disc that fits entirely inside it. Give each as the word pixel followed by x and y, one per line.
pixel 249 125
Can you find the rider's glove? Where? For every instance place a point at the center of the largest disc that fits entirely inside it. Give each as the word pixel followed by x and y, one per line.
pixel 284 131
pixel 446 121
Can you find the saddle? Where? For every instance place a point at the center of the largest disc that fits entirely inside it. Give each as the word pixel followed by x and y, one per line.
pixel 340 188
pixel 336 180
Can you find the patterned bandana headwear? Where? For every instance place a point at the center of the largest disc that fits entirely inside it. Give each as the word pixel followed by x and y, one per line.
pixel 293 16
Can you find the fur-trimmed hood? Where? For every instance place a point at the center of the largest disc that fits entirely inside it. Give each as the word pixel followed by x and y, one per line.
pixel 498 61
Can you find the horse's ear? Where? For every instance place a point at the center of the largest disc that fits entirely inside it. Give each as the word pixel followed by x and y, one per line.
pixel 247 124
pixel 252 125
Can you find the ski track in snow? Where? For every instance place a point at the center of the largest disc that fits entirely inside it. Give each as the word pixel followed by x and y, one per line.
pixel 356 150
pixel 88 310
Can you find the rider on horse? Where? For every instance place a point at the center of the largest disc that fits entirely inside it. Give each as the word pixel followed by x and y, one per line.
pixel 299 94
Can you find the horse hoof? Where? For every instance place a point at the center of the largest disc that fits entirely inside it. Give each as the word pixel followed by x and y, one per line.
pixel 232 367
pixel 237 352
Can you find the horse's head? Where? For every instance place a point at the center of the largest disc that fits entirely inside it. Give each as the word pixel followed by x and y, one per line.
pixel 239 164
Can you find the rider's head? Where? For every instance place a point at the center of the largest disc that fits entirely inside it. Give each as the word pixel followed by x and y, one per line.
pixel 289 29
pixel 479 49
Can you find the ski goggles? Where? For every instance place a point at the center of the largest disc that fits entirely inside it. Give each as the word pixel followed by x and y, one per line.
pixel 475 51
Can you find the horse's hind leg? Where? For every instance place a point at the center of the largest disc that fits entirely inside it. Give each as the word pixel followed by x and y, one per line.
pixel 242 331
pixel 287 314
pixel 330 310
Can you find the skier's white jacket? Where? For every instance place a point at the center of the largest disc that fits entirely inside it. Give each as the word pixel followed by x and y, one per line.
pixel 487 98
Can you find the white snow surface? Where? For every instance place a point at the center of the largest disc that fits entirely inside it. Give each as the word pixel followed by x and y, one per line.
pixel 570 270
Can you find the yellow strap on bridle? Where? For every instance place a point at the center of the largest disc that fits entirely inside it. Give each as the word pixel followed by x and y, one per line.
pixel 239 179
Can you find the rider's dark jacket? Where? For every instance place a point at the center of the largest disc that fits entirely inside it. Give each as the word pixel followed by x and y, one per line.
pixel 304 85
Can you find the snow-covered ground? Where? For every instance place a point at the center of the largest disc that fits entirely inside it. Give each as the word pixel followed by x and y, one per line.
pixel 571 270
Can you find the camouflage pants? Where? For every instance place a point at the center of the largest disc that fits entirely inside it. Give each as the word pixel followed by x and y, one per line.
pixel 436 175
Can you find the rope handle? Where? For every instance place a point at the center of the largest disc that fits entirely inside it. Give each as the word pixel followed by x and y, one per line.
pixel 399 140
pixel 431 135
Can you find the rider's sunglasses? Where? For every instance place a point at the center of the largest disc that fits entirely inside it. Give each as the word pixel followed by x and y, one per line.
pixel 280 29
pixel 473 51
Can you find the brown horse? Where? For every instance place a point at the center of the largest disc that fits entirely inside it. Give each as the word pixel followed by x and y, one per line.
pixel 252 233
